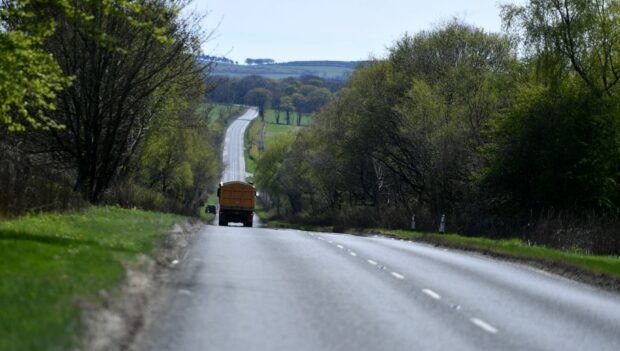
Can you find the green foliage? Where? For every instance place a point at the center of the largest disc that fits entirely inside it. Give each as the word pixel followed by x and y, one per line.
pixel 178 157
pixel 571 37
pixel 51 264
pixel 30 78
pixel 556 149
pixel 260 97
pixel 303 96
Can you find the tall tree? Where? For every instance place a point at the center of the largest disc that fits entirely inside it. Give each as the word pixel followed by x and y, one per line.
pixel 578 34
pixel 286 104
pixel 118 67
pixel 260 97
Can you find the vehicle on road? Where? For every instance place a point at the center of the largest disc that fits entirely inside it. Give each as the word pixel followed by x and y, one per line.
pixel 237 201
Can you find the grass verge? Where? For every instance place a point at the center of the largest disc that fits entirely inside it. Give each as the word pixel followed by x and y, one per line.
pixel 52 264
pixel 609 265
pixel 602 271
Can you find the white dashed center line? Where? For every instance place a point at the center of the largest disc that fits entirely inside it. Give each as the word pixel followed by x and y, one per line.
pixel 431 293
pixel 397 275
pixel 374 263
pixel 484 326
pixel 340 246
pixel 352 253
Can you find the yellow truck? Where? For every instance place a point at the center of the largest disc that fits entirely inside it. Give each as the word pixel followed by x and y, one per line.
pixel 237 200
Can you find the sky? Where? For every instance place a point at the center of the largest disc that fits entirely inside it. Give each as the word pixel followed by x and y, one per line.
pixel 347 30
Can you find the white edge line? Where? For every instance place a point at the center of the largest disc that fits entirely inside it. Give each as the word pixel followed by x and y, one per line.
pixel 484 325
pixel 431 293
pixel 397 275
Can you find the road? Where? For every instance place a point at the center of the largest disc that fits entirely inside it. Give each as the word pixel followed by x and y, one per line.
pixel 234 162
pixel 264 289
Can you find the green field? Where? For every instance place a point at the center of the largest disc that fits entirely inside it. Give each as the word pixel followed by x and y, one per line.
pixel 51 264
pixel 323 69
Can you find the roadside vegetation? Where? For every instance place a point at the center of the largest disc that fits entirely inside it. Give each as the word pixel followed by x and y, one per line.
pixel 262 134
pixel 105 105
pixel 53 265
pixel 453 122
pixel 102 107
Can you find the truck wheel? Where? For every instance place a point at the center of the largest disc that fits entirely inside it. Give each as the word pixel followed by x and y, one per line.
pixel 247 224
pixel 223 223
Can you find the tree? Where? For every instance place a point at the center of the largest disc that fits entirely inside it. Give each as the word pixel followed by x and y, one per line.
pixel 30 78
pixel 120 68
pixel 555 149
pixel 300 103
pixel 269 166
pixel 318 98
pixel 578 34
pixel 260 97
pixel 286 104
pixel 177 157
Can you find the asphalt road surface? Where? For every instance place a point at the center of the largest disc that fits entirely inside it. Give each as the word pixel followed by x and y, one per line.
pixel 264 289
pixel 234 162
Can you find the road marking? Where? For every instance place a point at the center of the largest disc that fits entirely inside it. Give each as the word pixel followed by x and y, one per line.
pixel 352 254
pixel 431 293
pixel 397 275
pixel 340 246
pixel 483 325
pixel 374 263
pixel 329 241
pixel 320 238
pixel 184 292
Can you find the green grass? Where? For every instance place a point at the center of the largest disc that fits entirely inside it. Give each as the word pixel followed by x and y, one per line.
pixel 516 248
pixel 51 264
pixel 270 118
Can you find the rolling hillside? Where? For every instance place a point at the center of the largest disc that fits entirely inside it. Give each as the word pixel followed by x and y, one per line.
pixel 325 69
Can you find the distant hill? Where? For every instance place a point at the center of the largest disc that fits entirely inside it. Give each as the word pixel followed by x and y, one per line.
pixel 324 69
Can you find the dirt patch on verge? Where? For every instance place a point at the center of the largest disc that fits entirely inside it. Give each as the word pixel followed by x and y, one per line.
pixel 114 324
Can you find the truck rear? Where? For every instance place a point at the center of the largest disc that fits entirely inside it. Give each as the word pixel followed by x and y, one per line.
pixel 237 200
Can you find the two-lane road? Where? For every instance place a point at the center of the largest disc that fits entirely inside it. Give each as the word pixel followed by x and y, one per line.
pixel 264 289
pixel 234 161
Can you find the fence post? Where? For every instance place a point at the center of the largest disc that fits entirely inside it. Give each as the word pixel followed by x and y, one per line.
pixel 413 222
pixel 442 224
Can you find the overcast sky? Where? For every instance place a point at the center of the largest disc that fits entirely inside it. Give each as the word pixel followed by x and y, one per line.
pixel 288 30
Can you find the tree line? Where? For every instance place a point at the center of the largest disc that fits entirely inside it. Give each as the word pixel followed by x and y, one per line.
pixel 259 61
pixel 98 105
pixel 507 135
pixel 290 98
